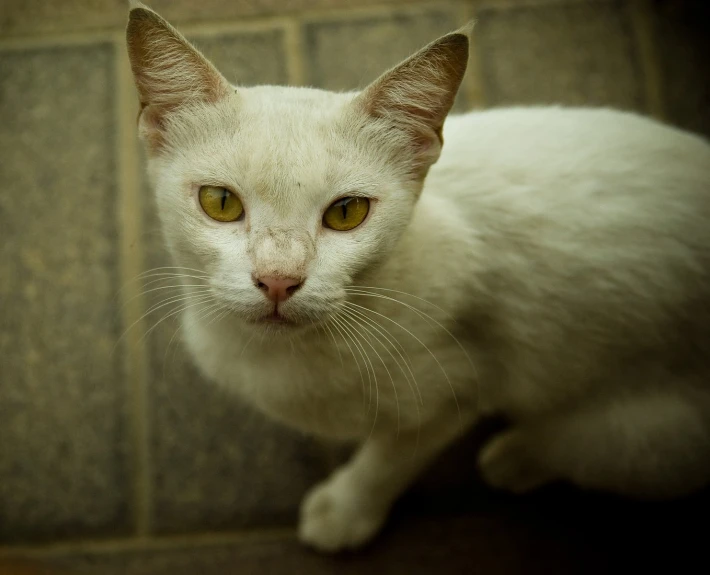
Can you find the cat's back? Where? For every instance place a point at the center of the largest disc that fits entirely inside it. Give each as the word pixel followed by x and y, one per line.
pixel 565 173
pixel 557 150
pixel 553 199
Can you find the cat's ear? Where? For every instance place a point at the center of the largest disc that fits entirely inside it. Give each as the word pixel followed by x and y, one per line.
pixel 416 96
pixel 169 72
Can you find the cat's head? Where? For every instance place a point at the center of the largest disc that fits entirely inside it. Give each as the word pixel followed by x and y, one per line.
pixel 279 198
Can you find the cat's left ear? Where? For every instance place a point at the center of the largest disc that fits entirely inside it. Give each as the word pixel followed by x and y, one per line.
pixel 416 96
pixel 169 72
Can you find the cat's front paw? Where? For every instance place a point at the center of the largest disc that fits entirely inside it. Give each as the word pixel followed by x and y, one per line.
pixel 507 462
pixel 335 516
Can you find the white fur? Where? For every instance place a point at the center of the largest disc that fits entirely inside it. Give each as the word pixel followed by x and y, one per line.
pixel 566 250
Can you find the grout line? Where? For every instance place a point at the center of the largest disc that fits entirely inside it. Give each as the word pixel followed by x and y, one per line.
pixel 327 15
pixel 513 4
pixel 164 542
pixel 473 85
pixel 331 16
pixel 295 53
pixel 219 28
pixel 56 39
pixel 258 22
pixel 641 18
pixel 255 23
pixel 130 224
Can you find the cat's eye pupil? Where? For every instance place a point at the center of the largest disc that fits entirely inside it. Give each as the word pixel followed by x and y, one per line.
pixel 346 213
pixel 221 204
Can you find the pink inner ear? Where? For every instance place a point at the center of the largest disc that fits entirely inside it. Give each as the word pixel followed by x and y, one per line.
pixel 150 127
pixel 168 70
pixel 416 96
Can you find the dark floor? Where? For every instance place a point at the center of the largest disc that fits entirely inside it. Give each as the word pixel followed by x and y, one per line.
pixel 448 523
pixel 557 532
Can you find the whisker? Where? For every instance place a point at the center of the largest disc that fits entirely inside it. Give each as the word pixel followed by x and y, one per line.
pixel 241 353
pixel 425 316
pixel 211 309
pixel 394 386
pixel 343 334
pixel 441 367
pixel 428 318
pixel 426 301
pixel 413 384
pixel 369 368
pixel 169 275
pixel 384 365
pixel 162 303
pixel 148 274
pixel 360 337
pixel 161 268
pixel 173 287
pixel 167 350
pixel 165 277
pixel 379 327
pixel 335 343
pixel 175 298
pixel 180 309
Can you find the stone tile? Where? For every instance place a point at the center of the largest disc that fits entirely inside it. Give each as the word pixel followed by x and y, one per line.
pixel 248 58
pixel 684 51
pixel 572 54
pixel 216 463
pixel 62 457
pixel 31 17
pixel 349 54
pixel 185 10
pixel 454 545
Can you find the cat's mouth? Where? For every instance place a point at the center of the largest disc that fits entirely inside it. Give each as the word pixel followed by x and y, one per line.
pixel 275 318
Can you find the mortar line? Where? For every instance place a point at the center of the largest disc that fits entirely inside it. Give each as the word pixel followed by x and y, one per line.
pixel 250 23
pixel 473 80
pixel 56 39
pixel 514 4
pixel 331 16
pixel 156 543
pixel 641 18
pixel 130 221
pixel 295 53
pixel 326 15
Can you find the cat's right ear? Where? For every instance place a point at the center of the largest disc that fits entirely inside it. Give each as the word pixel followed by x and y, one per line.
pixel 169 72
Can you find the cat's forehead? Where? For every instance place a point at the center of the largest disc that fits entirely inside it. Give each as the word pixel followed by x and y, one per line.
pixel 290 141
pixel 287 108
pixel 287 96
pixel 293 148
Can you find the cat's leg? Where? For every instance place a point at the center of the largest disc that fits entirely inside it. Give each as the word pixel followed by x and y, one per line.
pixel 650 446
pixel 348 509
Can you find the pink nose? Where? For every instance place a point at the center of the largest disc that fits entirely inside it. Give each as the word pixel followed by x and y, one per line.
pixel 277 289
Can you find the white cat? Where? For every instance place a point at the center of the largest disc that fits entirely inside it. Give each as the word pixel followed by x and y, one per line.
pixel 550 264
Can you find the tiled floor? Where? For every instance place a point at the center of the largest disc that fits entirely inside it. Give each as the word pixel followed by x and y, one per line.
pixel 558 533
pixel 115 456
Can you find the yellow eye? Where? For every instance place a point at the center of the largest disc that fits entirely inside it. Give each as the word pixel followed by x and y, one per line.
pixel 220 204
pixel 346 213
